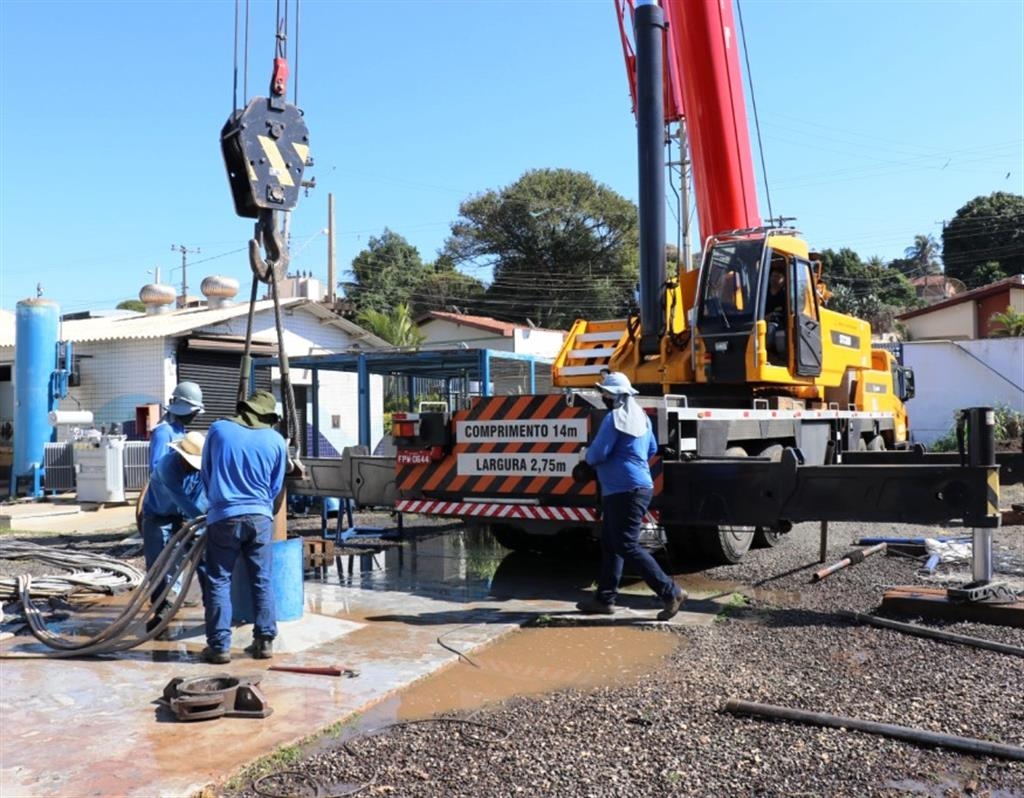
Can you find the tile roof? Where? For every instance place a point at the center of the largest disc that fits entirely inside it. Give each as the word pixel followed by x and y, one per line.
pixel 504 328
pixel 1016 281
pixel 185 320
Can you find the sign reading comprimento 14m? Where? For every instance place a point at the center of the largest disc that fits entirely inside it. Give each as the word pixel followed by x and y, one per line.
pixel 504 463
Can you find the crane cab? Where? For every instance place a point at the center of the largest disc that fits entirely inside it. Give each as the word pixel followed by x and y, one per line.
pixel 760 318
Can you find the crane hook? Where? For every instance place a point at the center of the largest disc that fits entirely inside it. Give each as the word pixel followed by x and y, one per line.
pixel 267 236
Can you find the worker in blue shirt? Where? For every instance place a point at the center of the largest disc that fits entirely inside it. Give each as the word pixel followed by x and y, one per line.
pixel 619 453
pixel 186 403
pixel 175 494
pixel 244 463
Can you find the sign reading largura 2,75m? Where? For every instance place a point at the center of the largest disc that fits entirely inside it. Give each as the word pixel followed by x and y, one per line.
pixel 501 462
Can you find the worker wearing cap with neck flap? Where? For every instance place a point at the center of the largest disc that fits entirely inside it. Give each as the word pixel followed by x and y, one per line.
pixel 244 464
pixel 620 453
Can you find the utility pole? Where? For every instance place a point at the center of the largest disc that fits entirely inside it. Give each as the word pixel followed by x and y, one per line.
pixel 330 249
pixel 684 237
pixel 185 252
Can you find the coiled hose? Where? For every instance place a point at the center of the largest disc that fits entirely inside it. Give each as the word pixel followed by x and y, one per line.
pixel 179 560
pixel 90 572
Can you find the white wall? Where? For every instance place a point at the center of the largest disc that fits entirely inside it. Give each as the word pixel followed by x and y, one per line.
pixel 953 375
pixel 339 408
pixel 954 322
pixel 119 375
pixel 445 334
pixel 306 334
pixel 543 343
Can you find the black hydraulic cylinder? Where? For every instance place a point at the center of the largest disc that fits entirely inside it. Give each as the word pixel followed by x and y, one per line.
pixel 649 33
pixel 976 433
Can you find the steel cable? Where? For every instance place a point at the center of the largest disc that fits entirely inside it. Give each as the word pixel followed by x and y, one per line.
pixel 95 573
pixel 179 560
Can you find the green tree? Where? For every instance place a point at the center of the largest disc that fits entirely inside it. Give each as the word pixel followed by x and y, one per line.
pixel 922 257
pixel 1012 322
pixel 868 291
pixel 386 274
pixel 561 245
pixel 985 240
pixel 443 287
pixel 394 325
pixel 132 304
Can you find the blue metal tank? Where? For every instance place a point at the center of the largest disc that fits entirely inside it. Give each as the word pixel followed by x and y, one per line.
pixel 37 323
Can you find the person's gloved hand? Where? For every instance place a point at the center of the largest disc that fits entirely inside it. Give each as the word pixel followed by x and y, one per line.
pixel 583 472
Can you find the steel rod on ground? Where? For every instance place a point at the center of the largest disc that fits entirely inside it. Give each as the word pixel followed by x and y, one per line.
pixel 852 558
pixel 938 634
pixel 938 739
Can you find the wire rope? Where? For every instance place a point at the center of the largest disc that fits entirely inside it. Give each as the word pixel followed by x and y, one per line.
pixel 180 558
pixel 753 105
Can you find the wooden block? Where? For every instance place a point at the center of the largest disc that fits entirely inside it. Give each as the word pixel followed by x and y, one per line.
pixel 933 602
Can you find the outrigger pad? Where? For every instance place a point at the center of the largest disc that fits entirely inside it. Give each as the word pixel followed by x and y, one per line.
pixel 216 695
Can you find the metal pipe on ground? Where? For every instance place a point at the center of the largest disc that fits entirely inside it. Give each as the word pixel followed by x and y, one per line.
pixel 920 736
pixel 852 558
pixel 938 634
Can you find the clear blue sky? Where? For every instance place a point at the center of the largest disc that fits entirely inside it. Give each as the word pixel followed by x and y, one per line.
pixel 879 119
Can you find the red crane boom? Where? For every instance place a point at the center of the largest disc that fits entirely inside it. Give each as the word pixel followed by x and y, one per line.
pixel 704 87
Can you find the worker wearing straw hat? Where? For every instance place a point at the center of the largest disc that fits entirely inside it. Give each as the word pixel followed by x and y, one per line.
pixel 175 494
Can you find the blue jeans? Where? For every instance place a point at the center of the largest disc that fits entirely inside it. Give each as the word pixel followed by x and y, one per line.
pixel 156 531
pixel 623 517
pixel 251 536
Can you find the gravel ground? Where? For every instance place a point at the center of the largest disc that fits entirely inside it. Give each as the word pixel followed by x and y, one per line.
pixel 666 733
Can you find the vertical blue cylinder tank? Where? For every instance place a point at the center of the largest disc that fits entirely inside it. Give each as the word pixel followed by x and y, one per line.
pixel 37 322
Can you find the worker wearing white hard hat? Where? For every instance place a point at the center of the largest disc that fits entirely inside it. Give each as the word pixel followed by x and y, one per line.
pixel 185 404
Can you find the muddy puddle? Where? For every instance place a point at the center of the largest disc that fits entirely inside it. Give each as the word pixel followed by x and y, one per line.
pixel 533 661
pixel 530 661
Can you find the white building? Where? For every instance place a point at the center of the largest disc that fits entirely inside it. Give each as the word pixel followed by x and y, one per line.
pixel 124 364
pixel 456 330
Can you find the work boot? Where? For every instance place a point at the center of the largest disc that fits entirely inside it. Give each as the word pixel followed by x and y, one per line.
pixel 215 657
pixel 592 605
pixel 672 605
pixel 261 648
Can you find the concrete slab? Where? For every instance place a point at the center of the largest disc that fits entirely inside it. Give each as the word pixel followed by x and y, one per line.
pixel 65 516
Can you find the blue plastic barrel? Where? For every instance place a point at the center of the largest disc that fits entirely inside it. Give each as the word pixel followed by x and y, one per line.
pixel 286 581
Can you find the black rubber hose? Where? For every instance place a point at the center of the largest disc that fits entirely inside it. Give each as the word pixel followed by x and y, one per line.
pixel 920 736
pixel 938 634
pixel 168 567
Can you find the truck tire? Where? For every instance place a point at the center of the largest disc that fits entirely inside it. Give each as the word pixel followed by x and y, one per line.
pixel 515 538
pixel 511 537
pixel 765 538
pixel 725 545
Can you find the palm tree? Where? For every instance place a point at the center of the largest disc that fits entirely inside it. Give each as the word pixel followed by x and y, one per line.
pixel 1012 322
pixel 924 253
pixel 396 327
